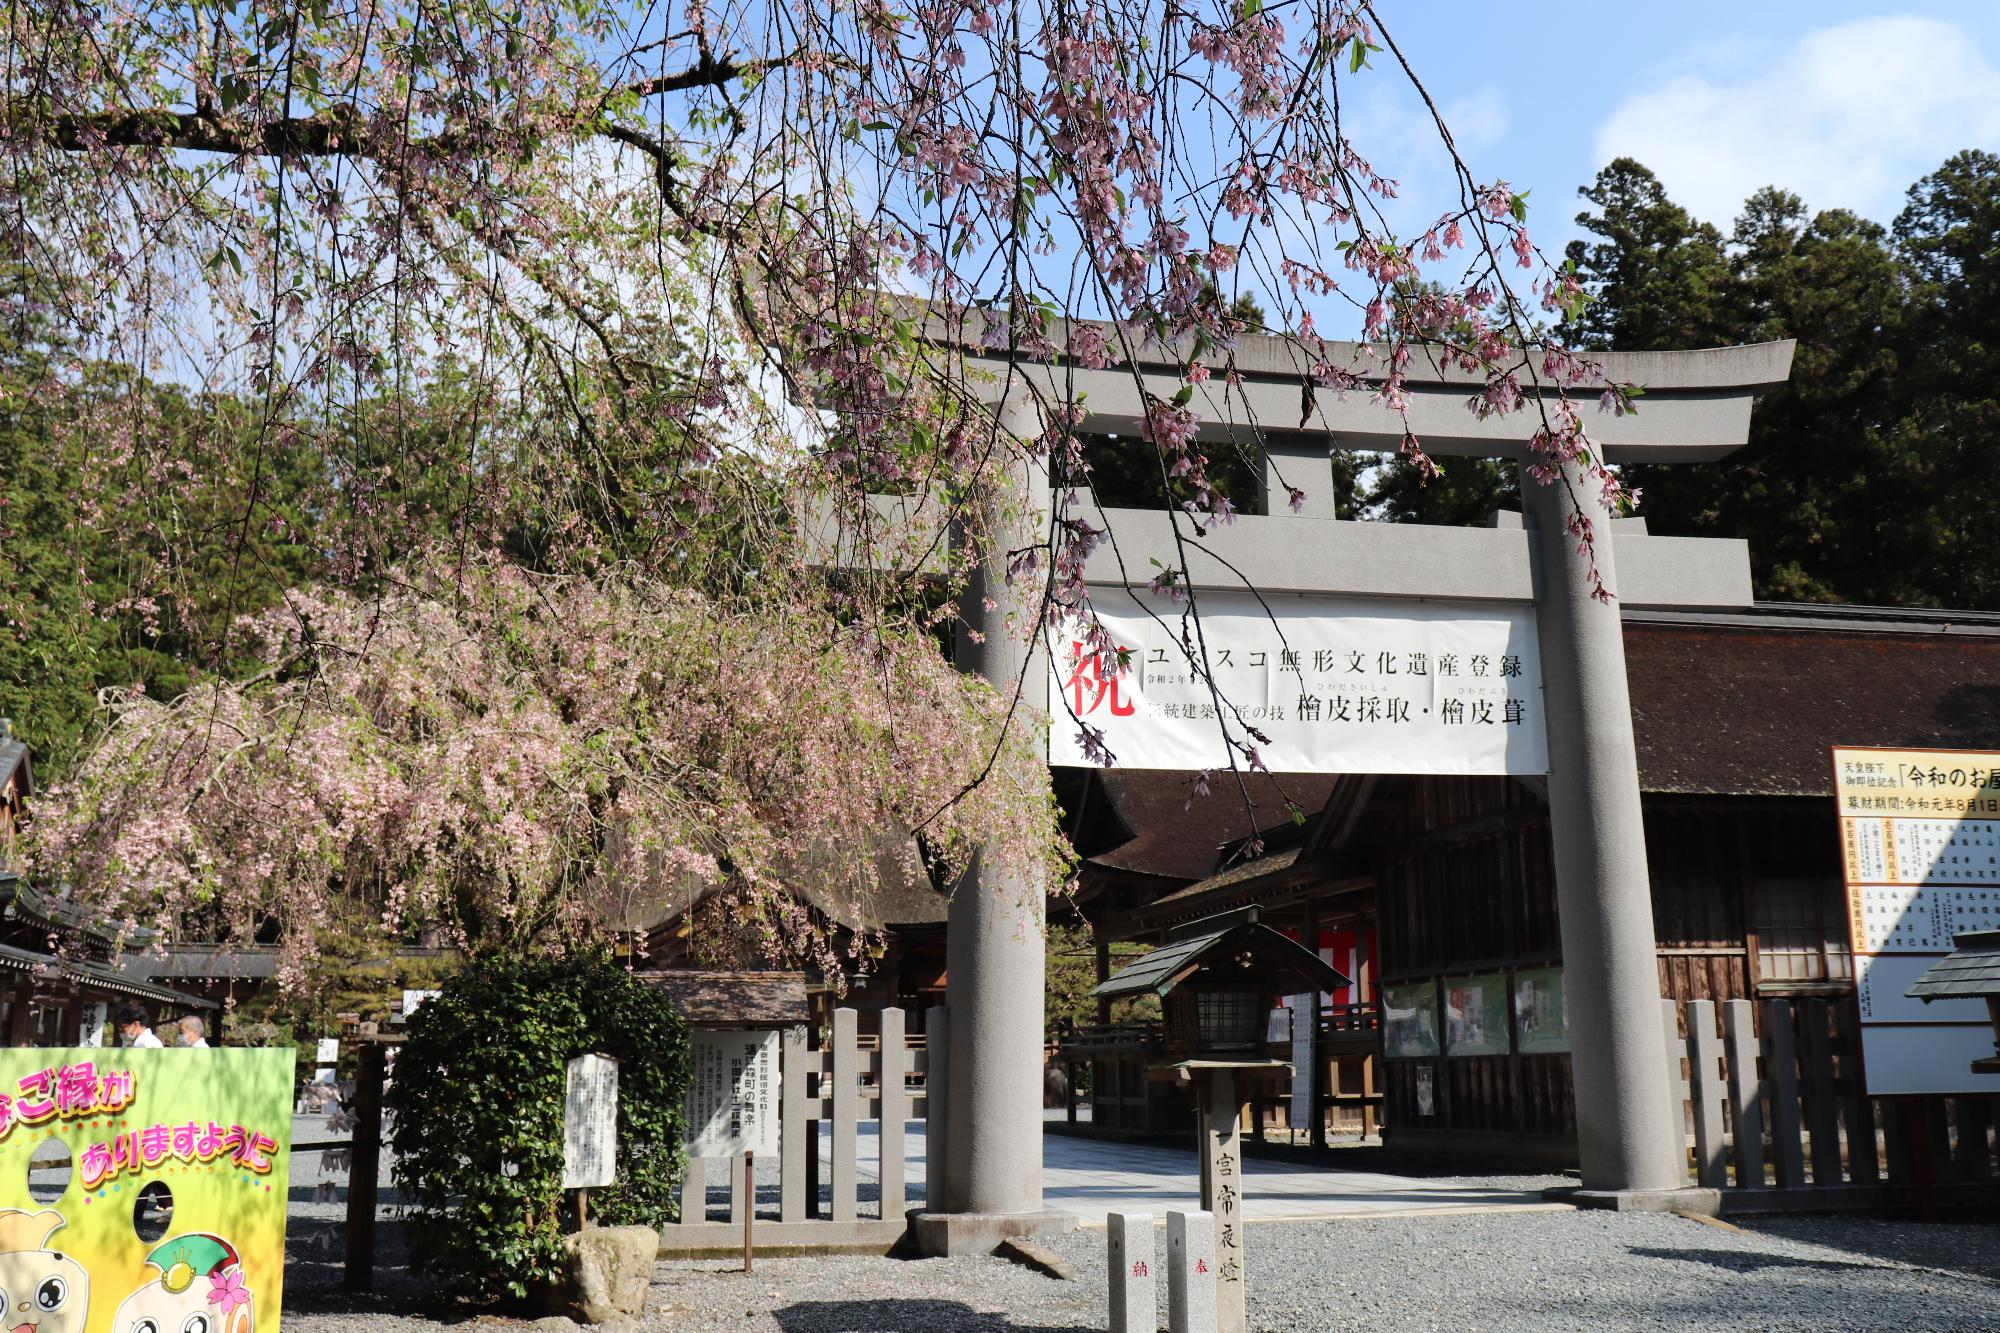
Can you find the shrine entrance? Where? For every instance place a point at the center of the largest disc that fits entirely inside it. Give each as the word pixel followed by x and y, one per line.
pixel 1517 589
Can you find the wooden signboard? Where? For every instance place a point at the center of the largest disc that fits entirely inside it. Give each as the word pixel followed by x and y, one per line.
pixel 590 1123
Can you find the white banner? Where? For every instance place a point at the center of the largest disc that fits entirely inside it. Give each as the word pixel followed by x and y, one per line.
pixel 1339 685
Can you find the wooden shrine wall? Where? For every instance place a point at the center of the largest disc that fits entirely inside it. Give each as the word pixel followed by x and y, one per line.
pixel 1466 886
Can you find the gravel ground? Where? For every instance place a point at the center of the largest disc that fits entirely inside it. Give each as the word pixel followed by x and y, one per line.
pixel 1494 1272
pixel 1606 1271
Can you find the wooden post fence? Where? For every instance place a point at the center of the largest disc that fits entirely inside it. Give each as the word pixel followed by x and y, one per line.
pixel 1780 1119
pixel 845 1085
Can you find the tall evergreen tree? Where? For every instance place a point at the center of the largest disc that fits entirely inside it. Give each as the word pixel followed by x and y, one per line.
pixel 1661 278
pixel 1822 496
pixel 1948 235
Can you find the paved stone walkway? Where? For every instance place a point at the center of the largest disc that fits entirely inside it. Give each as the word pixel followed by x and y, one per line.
pixel 1092 1177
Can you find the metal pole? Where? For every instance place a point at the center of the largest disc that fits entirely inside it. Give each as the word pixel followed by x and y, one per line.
pixel 749 1202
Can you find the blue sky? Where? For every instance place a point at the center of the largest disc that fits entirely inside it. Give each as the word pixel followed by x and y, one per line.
pixel 1846 104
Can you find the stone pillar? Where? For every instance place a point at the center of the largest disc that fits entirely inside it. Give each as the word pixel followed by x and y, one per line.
pixel 1129 1250
pixel 1617 1058
pixel 1190 1272
pixel 989 1184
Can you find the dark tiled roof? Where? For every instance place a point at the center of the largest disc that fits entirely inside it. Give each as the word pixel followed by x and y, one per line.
pixel 1176 836
pixel 1236 874
pixel 1972 971
pixel 95 978
pixel 201 960
pixel 1750 705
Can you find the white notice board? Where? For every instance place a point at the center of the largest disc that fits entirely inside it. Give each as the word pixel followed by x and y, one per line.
pixel 1336 684
pixel 590 1123
pixel 732 1101
pixel 1920 843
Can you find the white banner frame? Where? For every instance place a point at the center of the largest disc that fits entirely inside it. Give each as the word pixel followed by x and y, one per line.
pixel 1336 684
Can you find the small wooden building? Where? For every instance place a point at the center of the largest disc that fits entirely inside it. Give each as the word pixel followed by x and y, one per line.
pixel 62 977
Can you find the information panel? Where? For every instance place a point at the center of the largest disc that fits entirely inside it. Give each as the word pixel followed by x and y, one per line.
pixel 1336 685
pixel 590 1123
pixel 732 1102
pixel 1920 841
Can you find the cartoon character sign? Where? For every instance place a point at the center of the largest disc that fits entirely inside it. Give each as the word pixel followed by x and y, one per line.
pixel 199 1290
pixel 170 1209
pixel 43 1290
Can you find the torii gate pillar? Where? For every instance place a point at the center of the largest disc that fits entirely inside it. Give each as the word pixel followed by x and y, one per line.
pixel 1626 1139
pixel 983 1184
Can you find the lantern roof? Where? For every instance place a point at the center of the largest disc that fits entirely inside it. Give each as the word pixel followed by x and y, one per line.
pixel 1973 970
pixel 1285 966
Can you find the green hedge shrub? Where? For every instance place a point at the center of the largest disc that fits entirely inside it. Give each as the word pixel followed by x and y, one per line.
pixel 478 1127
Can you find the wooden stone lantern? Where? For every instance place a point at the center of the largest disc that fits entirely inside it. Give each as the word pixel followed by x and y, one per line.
pixel 1970 972
pixel 1216 987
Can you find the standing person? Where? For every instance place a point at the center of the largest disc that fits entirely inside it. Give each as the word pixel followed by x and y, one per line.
pixel 132 1027
pixel 194 1033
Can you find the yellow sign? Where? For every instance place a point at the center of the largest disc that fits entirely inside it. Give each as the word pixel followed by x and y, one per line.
pixel 143 1191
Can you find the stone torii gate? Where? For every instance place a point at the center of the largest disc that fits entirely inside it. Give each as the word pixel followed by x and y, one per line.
pixel 985 1180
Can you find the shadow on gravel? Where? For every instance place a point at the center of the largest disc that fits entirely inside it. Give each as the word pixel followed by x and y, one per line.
pixel 1747 1261
pixel 1968 1247
pixel 913 1316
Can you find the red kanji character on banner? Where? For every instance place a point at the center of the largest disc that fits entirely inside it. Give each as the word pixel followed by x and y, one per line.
pixel 1201 1265
pixel 1139 1268
pixel 76 1089
pixel 1088 676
